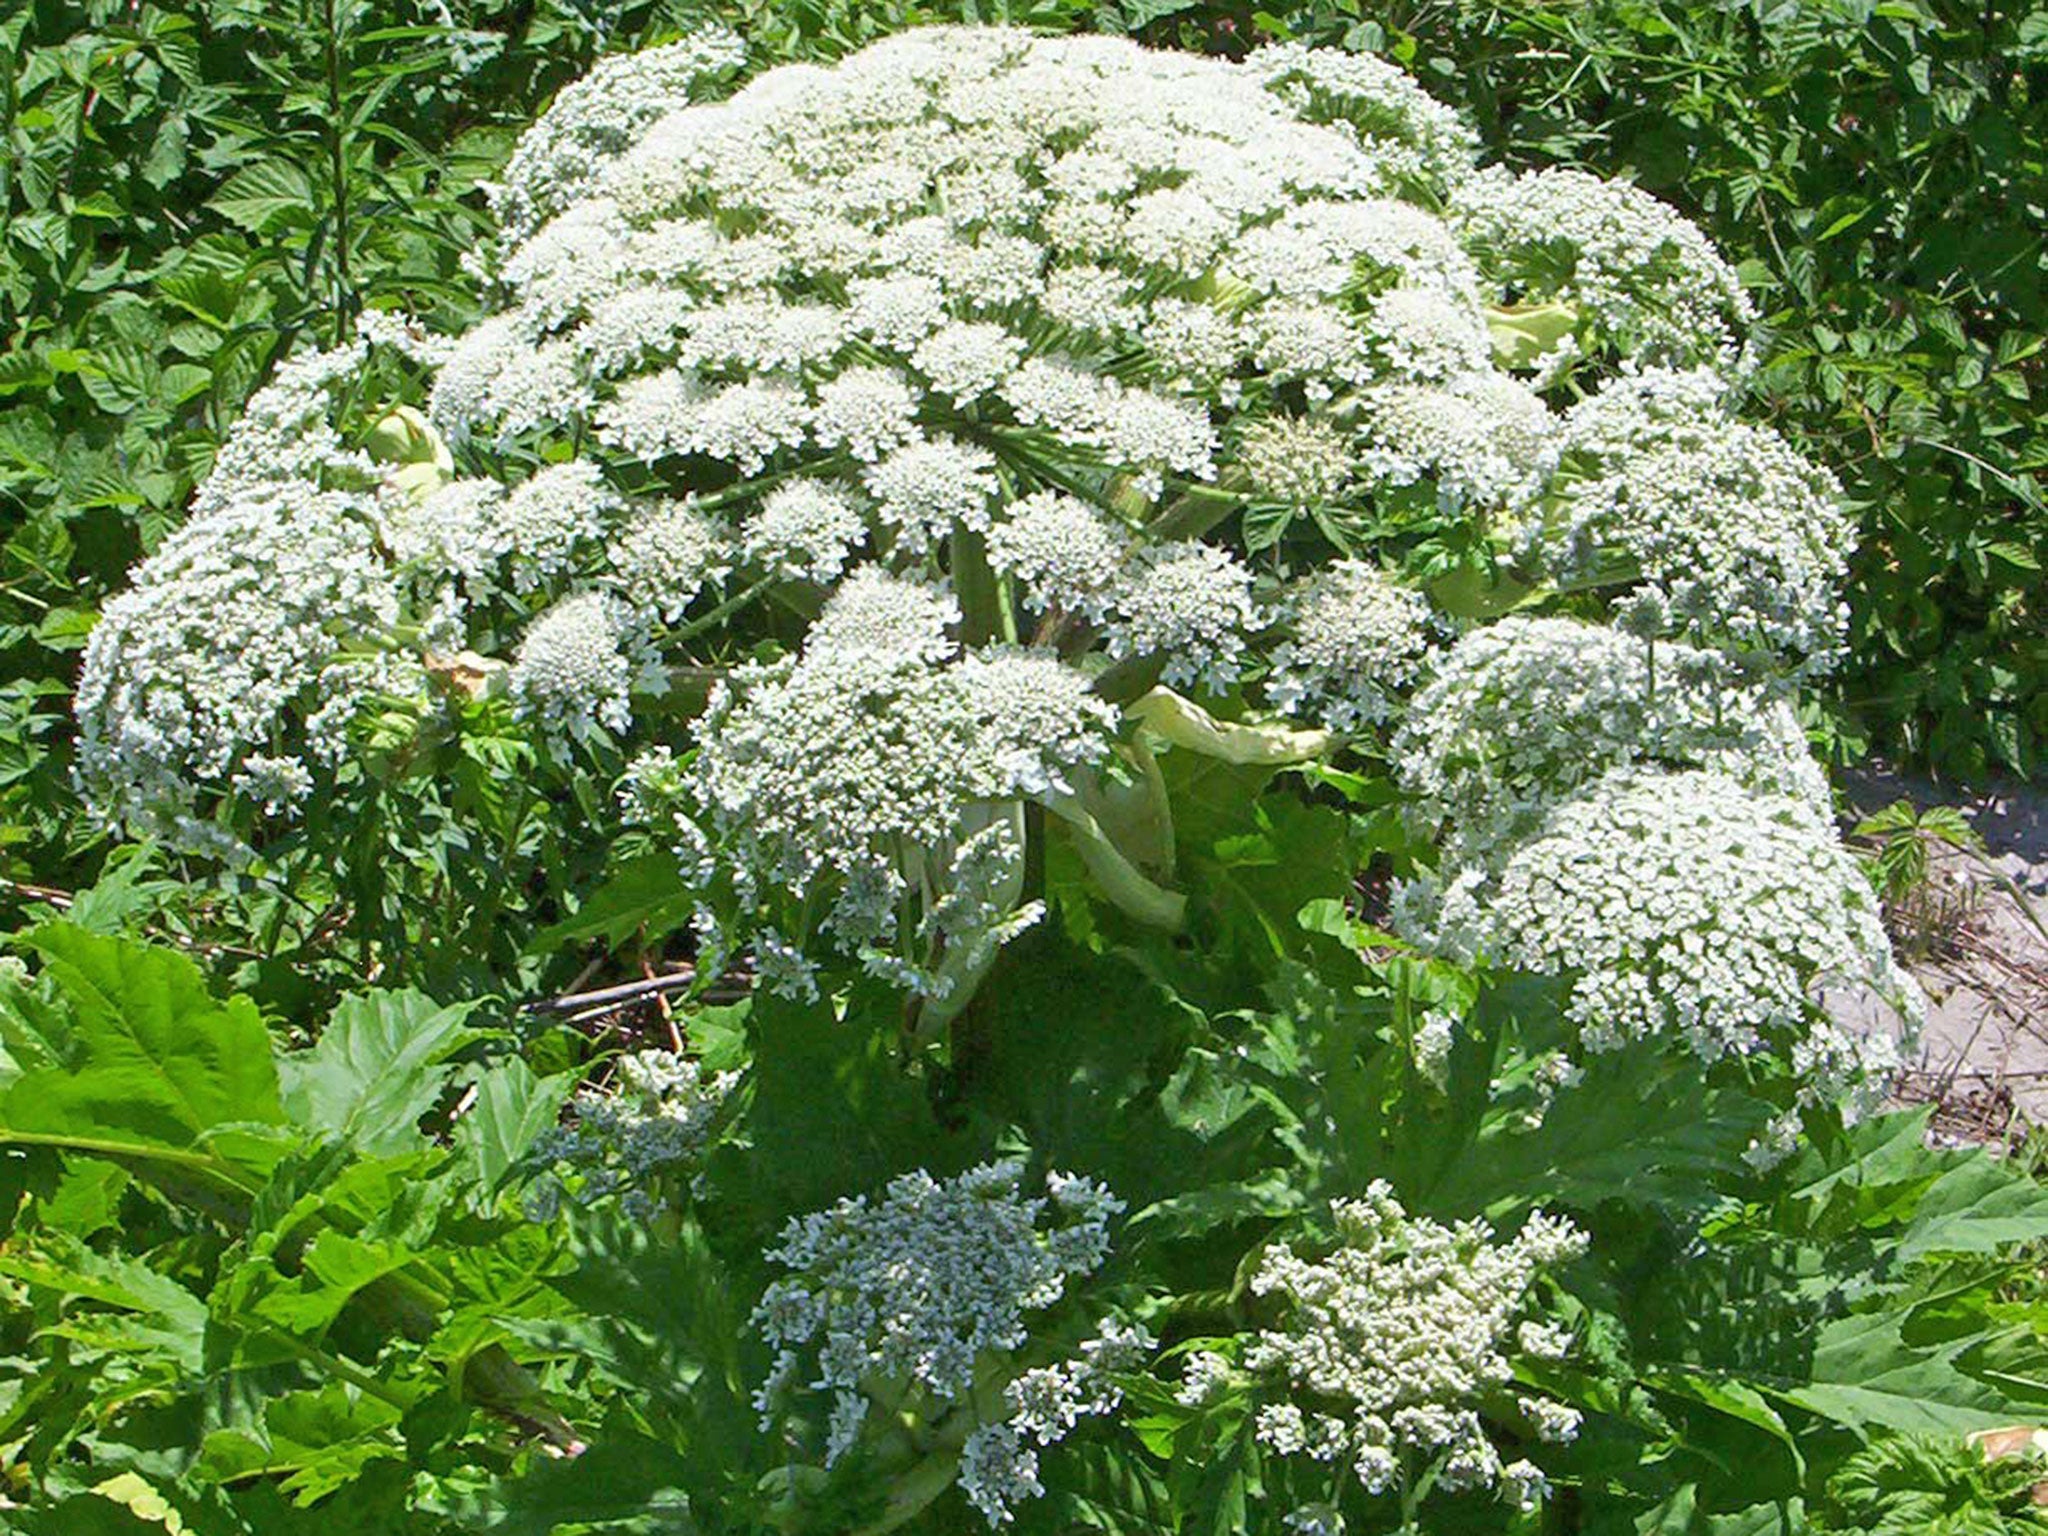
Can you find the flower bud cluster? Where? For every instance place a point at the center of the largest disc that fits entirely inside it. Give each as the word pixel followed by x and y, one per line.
pixel 1395 1348
pixel 648 1126
pixel 918 1303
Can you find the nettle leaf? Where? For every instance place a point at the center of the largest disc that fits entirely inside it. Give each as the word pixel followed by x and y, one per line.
pixel 380 1065
pixel 1680 1515
pixel 151 1059
pixel 1627 1132
pixel 1268 1197
pixel 1981 1205
pixel 1881 1175
pixel 827 1081
pixel 88 1514
pixel 265 197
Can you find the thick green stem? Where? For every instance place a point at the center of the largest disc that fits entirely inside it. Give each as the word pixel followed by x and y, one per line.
pixel 961 972
pixel 974 584
pixel 914 1492
pixel 337 167
pixel 1136 814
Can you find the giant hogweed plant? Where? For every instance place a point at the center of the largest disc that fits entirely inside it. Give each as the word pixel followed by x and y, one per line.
pixel 888 464
pixel 998 478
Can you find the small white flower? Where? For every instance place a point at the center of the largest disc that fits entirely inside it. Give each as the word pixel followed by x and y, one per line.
pixel 1406 1324
pixel 1188 603
pixel 929 486
pixel 805 528
pixel 1358 641
pixel 573 669
pixel 867 411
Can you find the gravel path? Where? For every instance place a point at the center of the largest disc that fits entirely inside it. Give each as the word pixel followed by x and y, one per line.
pixel 1984 1055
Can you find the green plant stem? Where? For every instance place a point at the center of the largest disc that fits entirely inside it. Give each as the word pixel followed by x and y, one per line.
pixel 974 584
pixel 712 618
pixel 335 1366
pixel 122 1151
pixel 337 166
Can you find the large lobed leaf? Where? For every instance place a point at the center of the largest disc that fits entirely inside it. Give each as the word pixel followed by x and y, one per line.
pixel 148 1057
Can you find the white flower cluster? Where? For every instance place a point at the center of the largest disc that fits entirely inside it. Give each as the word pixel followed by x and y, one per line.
pixel 999 1462
pixel 1394 1346
pixel 990 334
pixel 650 1124
pixel 1522 713
pixel 807 529
pixel 1064 555
pixel 1482 440
pixel 1358 640
pixel 666 554
pixel 881 768
pixel 914 1301
pixel 1188 603
pixel 578 665
pixel 1653 286
pixel 250 640
pixel 1689 906
pixel 1737 540
pixel 1085 184
pixel 597 117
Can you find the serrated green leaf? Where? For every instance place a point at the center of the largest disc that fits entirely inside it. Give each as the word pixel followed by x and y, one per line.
pixel 265 197
pixel 643 896
pixel 380 1064
pixel 152 1060
pixel 1866 1377
pixel 513 1107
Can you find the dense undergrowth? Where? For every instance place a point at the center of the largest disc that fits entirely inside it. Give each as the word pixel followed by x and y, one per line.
pixel 736 863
